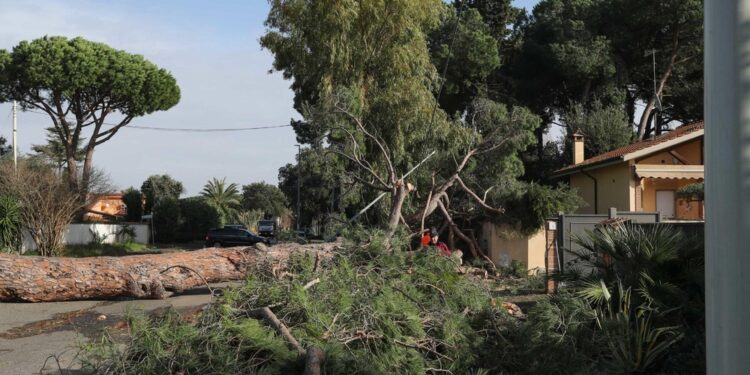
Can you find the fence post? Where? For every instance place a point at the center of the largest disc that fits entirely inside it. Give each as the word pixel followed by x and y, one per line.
pixel 612 213
pixel 551 255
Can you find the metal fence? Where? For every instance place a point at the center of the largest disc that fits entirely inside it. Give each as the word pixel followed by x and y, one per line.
pixel 572 226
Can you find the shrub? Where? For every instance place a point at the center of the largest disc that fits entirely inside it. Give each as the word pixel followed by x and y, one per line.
pixel 11 236
pixel 97 239
pixel 47 203
pixel 166 220
pixel 126 234
pixel 691 192
pixel 133 200
pixel 197 218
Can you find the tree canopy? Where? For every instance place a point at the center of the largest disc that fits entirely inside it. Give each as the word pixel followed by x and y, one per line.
pixel 81 84
pixel 133 200
pixel 584 51
pixel 375 82
pixel 267 198
pixel 605 128
pixel 158 187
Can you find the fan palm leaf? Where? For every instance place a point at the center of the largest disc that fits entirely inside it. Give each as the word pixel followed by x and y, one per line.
pixel 224 197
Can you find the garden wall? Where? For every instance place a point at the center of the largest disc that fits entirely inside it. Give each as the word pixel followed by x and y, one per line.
pixel 81 234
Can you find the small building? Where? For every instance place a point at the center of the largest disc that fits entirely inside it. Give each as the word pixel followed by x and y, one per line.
pixel 504 244
pixel 643 176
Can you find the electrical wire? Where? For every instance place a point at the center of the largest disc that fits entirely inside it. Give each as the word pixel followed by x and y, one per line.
pixel 208 130
pixel 186 130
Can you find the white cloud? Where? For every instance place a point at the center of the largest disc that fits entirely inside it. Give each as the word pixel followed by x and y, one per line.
pixel 224 83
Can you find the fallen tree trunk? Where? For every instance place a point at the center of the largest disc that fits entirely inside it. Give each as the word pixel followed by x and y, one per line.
pixel 47 279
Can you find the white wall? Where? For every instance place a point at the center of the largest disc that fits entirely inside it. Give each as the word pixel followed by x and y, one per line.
pixel 80 234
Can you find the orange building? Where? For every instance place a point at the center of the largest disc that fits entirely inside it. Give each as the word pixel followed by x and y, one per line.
pixel 105 208
pixel 643 176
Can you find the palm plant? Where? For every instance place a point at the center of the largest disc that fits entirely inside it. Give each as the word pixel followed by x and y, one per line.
pixel 634 341
pixel 10 224
pixel 646 284
pixel 225 198
pixel 250 219
pixel 661 263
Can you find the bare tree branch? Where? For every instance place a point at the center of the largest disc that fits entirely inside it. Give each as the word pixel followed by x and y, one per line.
pixel 362 128
pixel 481 202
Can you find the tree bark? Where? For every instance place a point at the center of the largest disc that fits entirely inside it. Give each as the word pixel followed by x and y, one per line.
pixel 397 201
pixel 88 165
pixel 454 229
pixel 314 361
pixel 72 171
pixel 47 279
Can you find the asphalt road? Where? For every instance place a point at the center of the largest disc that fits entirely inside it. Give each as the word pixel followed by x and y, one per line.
pixel 34 333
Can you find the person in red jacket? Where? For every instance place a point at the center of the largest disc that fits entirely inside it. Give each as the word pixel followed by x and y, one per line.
pixel 442 248
pixel 426 238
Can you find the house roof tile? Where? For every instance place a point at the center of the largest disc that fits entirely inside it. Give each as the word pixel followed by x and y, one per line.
pixel 633 147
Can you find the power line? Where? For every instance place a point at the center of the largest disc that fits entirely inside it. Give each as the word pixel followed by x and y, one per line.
pixel 207 130
pixel 187 130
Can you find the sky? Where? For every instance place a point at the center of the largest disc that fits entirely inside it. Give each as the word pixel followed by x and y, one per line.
pixel 212 49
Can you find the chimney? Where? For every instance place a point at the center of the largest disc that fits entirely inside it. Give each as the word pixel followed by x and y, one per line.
pixel 578 147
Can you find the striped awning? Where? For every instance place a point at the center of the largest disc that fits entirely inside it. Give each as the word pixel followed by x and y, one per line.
pixel 689 172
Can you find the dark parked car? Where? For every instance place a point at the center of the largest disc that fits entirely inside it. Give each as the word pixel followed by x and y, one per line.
pixel 233 237
pixel 235 226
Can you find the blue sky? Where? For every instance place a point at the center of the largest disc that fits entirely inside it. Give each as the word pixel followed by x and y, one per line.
pixel 212 50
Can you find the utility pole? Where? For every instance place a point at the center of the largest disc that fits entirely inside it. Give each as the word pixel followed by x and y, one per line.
pixel 15 139
pixel 657 100
pixel 299 177
pixel 727 142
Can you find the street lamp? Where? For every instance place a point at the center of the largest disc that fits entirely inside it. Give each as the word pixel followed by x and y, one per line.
pixel 299 177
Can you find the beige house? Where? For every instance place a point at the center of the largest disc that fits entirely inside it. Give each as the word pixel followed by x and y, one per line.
pixel 642 176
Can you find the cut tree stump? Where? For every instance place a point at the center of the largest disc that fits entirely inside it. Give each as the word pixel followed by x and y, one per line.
pixel 48 279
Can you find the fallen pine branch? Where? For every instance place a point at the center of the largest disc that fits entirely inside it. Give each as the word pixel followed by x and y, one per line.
pixel 311 283
pixel 314 361
pixel 270 317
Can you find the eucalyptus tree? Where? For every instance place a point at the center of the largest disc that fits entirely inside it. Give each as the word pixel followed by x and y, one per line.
pixel 81 85
pixel 366 77
pixel 363 77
